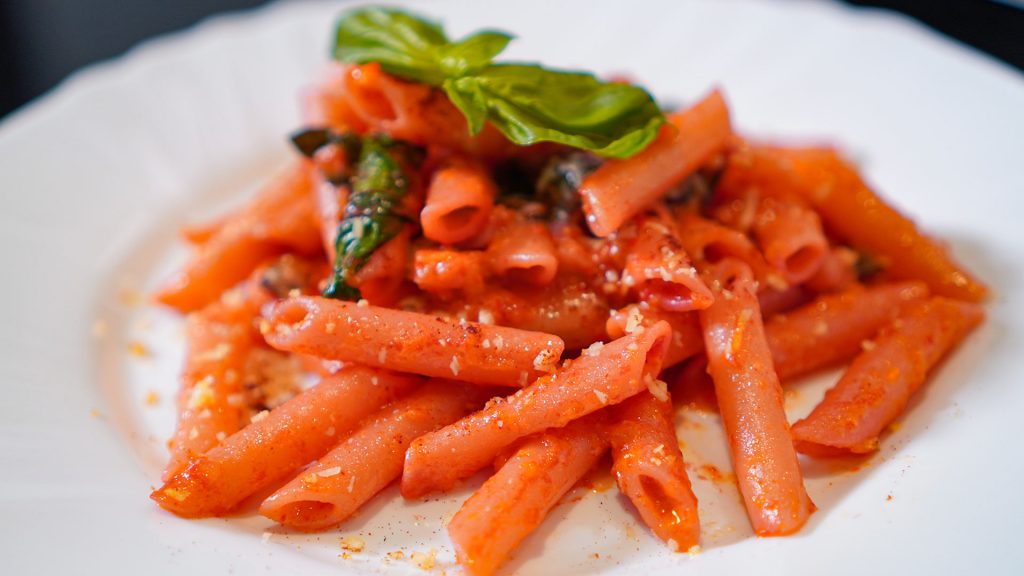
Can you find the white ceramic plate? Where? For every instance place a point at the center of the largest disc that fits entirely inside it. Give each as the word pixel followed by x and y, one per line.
pixel 96 177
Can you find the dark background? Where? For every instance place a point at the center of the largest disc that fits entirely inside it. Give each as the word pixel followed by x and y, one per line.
pixel 42 41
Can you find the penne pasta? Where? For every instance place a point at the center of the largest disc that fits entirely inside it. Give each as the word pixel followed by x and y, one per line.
pixel 201 232
pixel 659 270
pixel 832 328
pixel 221 342
pixel 774 302
pixel 512 503
pixel 411 342
pixel 380 280
pixel 443 272
pixel 838 271
pixel 366 99
pixel 330 201
pixel 650 471
pixel 331 490
pixel 852 210
pixel 523 252
pixel 876 387
pixel 601 376
pixel 750 401
pixel 791 239
pixel 282 217
pixel 620 189
pixel 275 446
pixel 569 308
pixel 218 342
pixel 687 338
pixel 709 241
pixel 459 202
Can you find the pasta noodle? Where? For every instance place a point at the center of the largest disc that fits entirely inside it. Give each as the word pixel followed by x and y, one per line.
pixel 459 202
pixel 853 211
pixel 602 377
pixel 275 446
pixel 328 492
pixel 750 400
pixel 687 338
pixel 280 219
pixel 649 468
pixel 791 238
pixel 661 273
pixel 832 328
pixel 876 387
pixel 620 189
pixel 513 502
pixel 447 271
pixel 523 252
pixel 411 342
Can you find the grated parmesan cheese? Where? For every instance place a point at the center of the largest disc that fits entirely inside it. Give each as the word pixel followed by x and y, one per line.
pixel 259 416
pixel 138 349
pixel 594 349
pixel 658 389
pixel 202 394
pixel 543 361
pixel 633 320
pixel 218 352
pixel 601 396
pixel 484 316
pixel 328 472
pixel 363 303
pixel 353 543
pixel 424 561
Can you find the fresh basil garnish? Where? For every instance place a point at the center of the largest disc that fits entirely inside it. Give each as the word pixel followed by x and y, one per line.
pixel 372 214
pixel 526 102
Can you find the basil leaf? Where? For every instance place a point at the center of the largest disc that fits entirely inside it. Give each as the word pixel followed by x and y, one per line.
pixel 472 54
pixel 411 47
pixel 530 104
pixel 310 140
pixel 402 44
pixel 372 214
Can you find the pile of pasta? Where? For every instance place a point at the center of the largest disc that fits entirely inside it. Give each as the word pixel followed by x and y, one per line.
pixel 539 307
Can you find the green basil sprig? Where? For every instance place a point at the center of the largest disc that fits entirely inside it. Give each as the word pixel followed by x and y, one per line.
pixel 526 102
pixel 372 215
